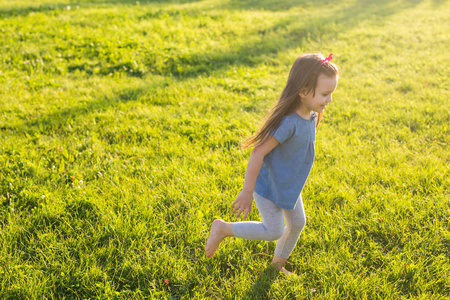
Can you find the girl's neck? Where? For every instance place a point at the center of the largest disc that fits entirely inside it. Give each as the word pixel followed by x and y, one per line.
pixel 304 113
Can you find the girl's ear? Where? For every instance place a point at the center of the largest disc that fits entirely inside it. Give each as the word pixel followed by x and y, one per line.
pixel 303 92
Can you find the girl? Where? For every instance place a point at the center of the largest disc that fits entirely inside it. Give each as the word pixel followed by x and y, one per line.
pixel 281 161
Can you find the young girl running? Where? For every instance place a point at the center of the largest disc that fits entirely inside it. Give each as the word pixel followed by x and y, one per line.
pixel 281 161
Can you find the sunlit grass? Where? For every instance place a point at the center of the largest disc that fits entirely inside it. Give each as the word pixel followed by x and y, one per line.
pixel 120 132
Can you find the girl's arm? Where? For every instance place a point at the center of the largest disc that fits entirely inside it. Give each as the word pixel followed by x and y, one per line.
pixel 244 200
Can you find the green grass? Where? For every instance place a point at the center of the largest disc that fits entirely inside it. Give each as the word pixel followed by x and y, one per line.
pixel 120 132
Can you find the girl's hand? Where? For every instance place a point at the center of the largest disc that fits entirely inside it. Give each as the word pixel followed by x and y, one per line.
pixel 242 203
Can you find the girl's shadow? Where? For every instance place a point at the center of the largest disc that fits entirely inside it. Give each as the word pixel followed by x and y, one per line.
pixel 261 287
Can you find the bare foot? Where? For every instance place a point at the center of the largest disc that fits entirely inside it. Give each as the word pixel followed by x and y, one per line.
pixel 216 236
pixel 276 266
pixel 286 272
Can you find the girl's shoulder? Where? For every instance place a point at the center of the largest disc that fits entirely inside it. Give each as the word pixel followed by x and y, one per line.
pixel 289 121
pixel 300 125
pixel 292 125
pixel 297 119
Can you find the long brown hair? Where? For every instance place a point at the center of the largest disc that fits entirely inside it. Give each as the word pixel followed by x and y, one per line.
pixel 302 77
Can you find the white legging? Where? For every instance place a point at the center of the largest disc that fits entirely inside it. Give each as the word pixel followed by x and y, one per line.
pixel 272 226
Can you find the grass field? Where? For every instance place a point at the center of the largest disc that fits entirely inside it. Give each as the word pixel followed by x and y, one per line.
pixel 120 132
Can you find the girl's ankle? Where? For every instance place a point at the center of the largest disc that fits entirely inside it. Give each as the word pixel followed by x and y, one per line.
pixel 277 265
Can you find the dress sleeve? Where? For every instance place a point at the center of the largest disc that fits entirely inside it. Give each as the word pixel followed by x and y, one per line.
pixel 284 131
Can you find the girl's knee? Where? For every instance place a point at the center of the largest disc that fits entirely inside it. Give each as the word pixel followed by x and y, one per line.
pixel 302 223
pixel 298 225
pixel 275 233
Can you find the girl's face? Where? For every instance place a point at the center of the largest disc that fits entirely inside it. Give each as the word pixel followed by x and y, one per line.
pixel 321 98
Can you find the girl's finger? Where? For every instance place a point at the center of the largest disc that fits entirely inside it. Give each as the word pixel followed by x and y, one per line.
pixel 233 204
pixel 235 208
pixel 247 211
pixel 239 213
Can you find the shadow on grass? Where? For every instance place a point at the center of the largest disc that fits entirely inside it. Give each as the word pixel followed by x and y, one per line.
pixel 56 122
pixel 258 46
pixel 272 5
pixel 261 287
pixel 264 44
pixel 143 2
pixel 15 10
pixel 23 11
pixel 437 3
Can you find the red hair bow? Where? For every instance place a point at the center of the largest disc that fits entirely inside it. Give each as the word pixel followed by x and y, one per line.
pixel 330 57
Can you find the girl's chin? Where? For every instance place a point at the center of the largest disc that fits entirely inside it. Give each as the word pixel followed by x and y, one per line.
pixel 319 110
